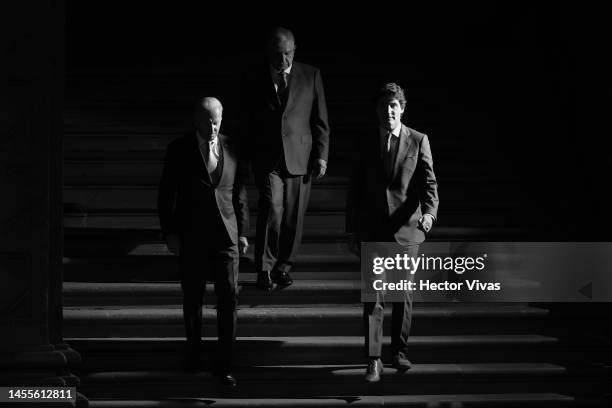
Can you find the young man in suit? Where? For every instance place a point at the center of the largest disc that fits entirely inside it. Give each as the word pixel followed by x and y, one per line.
pixel 393 197
pixel 287 130
pixel 204 217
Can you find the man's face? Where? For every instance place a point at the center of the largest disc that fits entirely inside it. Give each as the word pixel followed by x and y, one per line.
pixel 281 52
pixel 209 123
pixel 389 112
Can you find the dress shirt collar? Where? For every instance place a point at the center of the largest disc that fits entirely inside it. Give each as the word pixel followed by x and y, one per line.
pixel 395 132
pixel 275 73
pixel 203 141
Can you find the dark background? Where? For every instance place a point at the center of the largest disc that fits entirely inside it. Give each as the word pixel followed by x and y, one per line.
pixel 506 84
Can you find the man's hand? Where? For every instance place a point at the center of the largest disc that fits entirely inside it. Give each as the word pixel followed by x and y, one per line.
pixel 319 168
pixel 353 244
pixel 426 222
pixel 243 245
pixel 173 242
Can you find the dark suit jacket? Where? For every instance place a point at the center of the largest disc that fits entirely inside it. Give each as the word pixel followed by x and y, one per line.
pixel 191 205
pixel 382 208
pixel 300 131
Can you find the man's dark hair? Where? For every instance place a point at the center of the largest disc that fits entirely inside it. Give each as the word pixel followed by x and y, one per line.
pixel 393 90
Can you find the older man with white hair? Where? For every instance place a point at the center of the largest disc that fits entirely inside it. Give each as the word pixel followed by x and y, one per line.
pixel 204 217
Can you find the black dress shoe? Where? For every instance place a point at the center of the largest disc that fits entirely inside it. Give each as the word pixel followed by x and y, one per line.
pixel 226 378
pixel 400 362
pixel 264 282
pixel 281 278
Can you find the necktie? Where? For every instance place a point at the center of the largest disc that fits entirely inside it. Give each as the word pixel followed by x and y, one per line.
pixel 282 87
pixel 212 156
pixel 391 152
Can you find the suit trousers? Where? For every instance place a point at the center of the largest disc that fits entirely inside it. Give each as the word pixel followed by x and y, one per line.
pixel 201 262
pixel 283 199
pixel 401 319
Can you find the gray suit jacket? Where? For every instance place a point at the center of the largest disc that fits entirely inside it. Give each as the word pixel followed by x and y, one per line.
pixel 299 131
pixel 387 208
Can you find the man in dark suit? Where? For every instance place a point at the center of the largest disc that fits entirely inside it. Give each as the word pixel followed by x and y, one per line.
pixel 204 216
pixel 393 197
pixel 288 135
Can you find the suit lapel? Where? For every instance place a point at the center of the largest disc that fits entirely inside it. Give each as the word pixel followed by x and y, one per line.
pixel 295 82
pixel 223 158
pixel 402 149
pixel 266 85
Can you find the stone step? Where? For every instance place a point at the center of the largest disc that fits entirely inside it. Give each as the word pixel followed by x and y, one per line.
pixel 126 257
pixel 87 198
pixel 102 173
pixel 143 167
pixel 123 144
pixel 117 354
pixel 535 400
pixel 330 195
pixel 123 109
pixel 135 139
pixel 167 93
pixel 154 269
pixel 175 93
pixel 320 225
pixel 165 270
pixel 95 249
pixel 303 320
pixel 136 133
pixel 317 225
pixel 149 243
pixel 338 380
pixel 321 291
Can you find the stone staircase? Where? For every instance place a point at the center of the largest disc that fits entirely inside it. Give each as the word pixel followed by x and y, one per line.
pixel 300 346
pixel 303 345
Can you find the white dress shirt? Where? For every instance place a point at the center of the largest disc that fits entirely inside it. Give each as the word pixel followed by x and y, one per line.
pixel 276 77
pixel 210 151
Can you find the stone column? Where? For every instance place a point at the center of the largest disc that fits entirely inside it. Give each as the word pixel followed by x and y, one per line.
pixel 32 352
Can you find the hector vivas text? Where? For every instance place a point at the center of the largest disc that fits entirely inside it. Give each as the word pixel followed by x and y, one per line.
pixel 402 263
